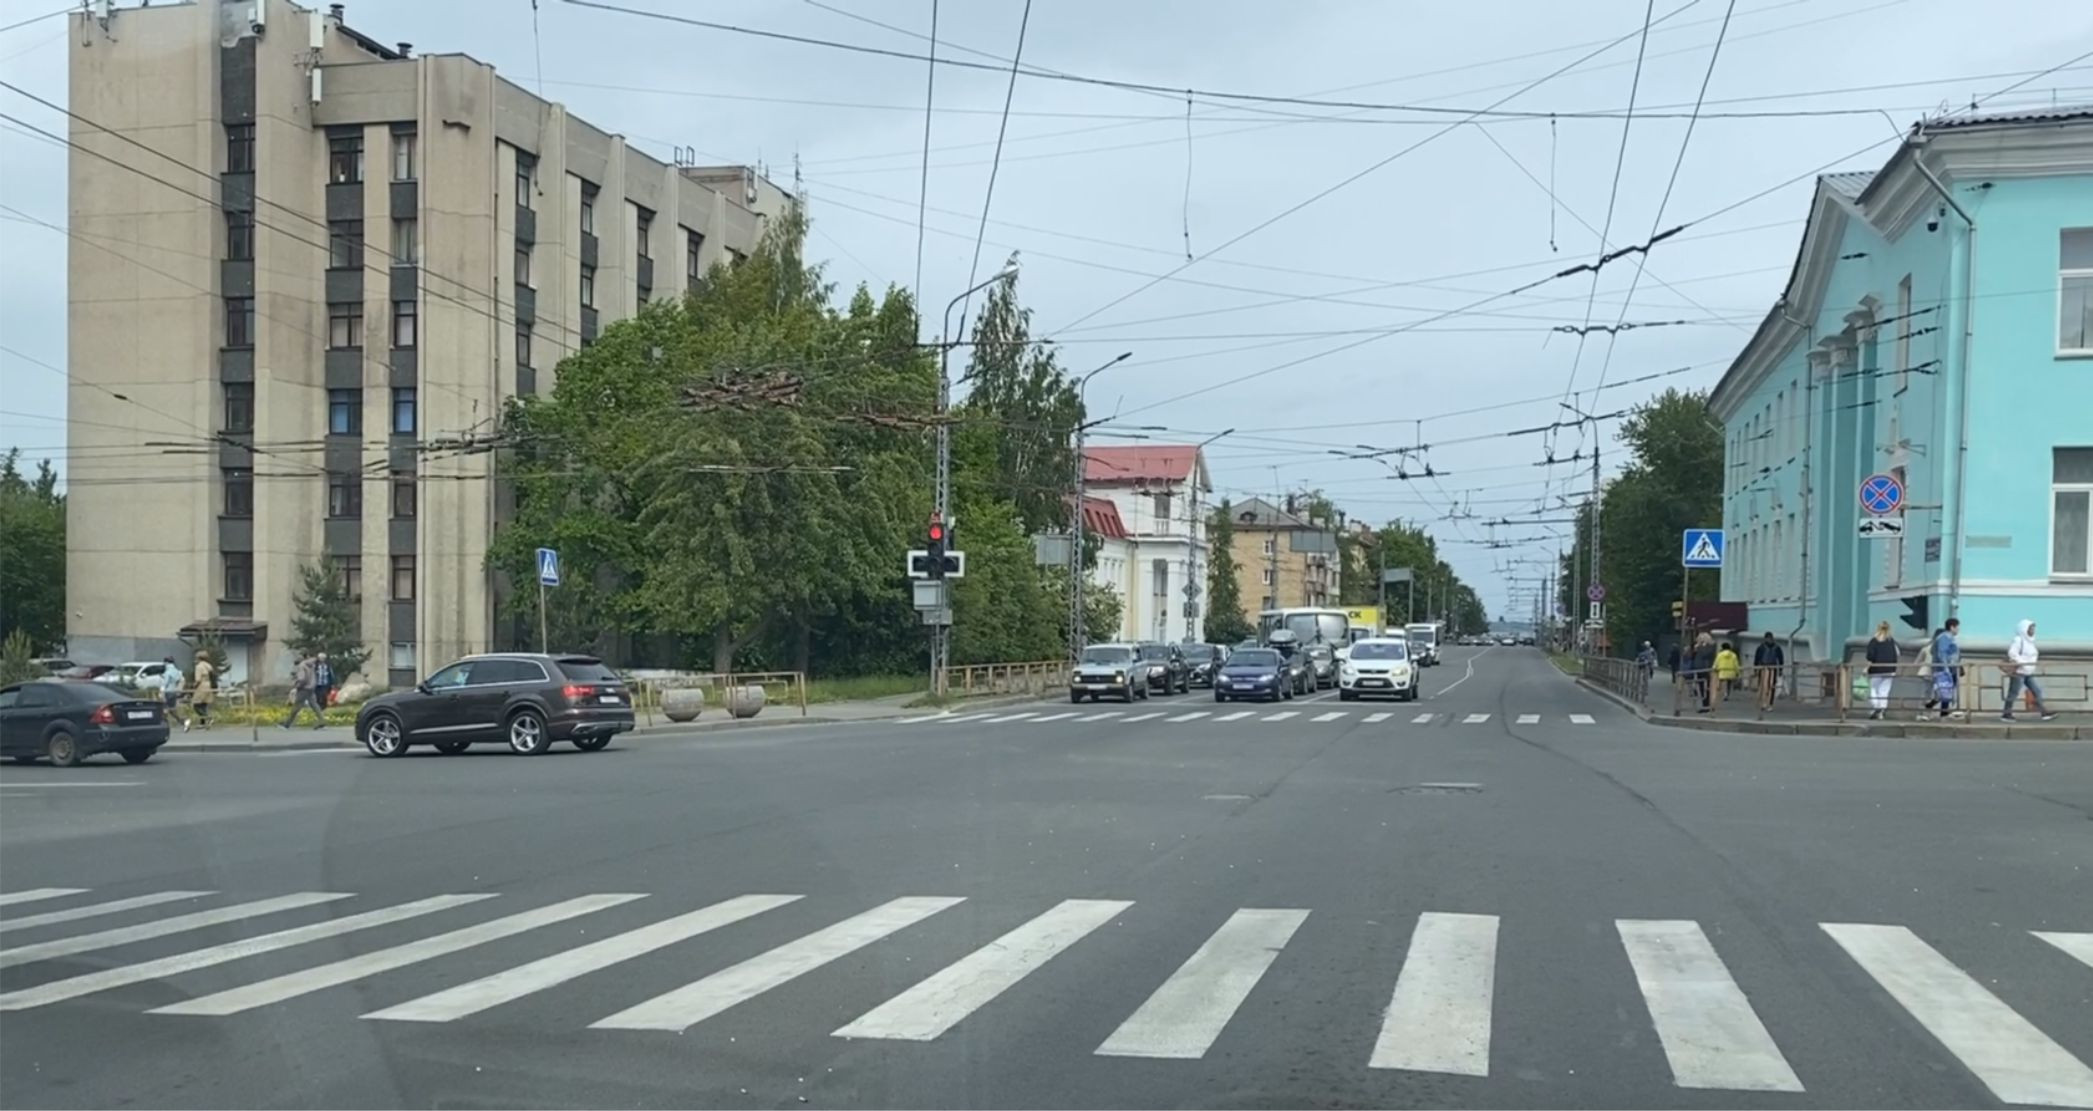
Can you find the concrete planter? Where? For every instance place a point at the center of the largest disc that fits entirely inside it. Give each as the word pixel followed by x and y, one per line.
pixel 745 702
pixel 682 703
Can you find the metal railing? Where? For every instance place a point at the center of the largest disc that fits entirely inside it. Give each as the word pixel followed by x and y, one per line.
pixel 1035 677
pixel 1622 677
pixel 1843 690
pixel 646 693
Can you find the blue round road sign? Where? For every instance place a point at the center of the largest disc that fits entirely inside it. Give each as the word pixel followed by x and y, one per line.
pixel 1881 494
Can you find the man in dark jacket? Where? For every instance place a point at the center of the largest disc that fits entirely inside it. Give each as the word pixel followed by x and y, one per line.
pixel 1703 669
pixel 1767 661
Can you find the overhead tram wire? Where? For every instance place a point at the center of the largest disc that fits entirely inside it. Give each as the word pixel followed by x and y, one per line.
pixel 988 198
pixel 923 187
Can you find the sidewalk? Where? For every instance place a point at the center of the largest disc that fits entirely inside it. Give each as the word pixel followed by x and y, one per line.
pixel 271 738
pixel 1741 715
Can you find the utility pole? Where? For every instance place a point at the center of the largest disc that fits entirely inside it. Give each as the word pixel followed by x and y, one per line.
pixel 941 634
pixel 1078 634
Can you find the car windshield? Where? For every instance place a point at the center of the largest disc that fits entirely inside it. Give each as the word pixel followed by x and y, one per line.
pixel 1254 657
pixel 1154 652
pixel 1380 650
pixel 1110 657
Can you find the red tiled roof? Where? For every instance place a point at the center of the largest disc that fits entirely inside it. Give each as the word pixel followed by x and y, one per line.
pixel 1101 518
pixel 1140 463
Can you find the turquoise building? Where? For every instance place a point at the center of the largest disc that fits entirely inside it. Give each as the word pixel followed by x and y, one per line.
pixel 1937 328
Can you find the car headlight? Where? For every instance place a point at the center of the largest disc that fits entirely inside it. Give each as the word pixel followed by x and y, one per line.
pixel 1119 676
pixel 1400 671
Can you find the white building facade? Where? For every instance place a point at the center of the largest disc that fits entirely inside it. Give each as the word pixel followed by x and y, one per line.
pixel 1160 493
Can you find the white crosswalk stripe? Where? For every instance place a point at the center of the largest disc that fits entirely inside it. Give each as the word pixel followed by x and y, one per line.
pixel 1580 719
pixel 961 718
pixel 1036 717
pixel 1281 715
pixel 1331 716
pixel 1237 716
pixel 37 894
pixel 290 985
pixel 1711 1036
pixel 117 906
pixel 1055 717
pixel 1475 719
pixel 1374 718
pixel 1101 717
pixel 2078 945
pixel 1439 1018
pixel 1422 719
pixel 1529 719
pixel 1144 717
pixel 919 720
pixel 124 935
pixel 1189 1011
pixel 1193 716
pixel 1009 717
pixel 695 1002
pixel 2019 1063
pixel 959 989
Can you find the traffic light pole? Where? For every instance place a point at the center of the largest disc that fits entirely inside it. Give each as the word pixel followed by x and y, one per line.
pixel 940 634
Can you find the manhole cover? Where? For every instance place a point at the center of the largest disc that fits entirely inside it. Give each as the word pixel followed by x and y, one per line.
pixel 1438 789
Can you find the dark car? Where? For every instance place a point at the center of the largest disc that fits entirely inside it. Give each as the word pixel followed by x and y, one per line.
pixel 1164 665
pixel 524 700
pixel 1259 673
pixel 1300 672
pixel 67 722
pixel 1106 669
pixel 1205 660
pixel 1322 664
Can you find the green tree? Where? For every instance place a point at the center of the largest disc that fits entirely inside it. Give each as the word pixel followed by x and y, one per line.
pixel 1022 401
pixel 17 658
pixel 1225 621
pixel 211 647
pixel 32 553
pixel 325 620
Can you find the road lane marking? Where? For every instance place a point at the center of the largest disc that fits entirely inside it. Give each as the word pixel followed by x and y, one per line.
pixel 1056 717
pixel 36 894
pixel 1464 678
pixel 697 1001
pixel 164 968
pixel 515 983
pixel 1529 719
pixel 1281 715
pixel 1374 718
pixel 124 935
pixel 1193 716
pixel 116 907
pixel 1331 716
pixel 1143 717
pixel 2078 945
pixel 1711 1036
pixel 1103 716
pixel 1237 716
pixel 961 718
pixel 291 985
pixel 1475 719
pixel 1010 717
pixel 937 1004
pixel 1184 1016
pixel 1580 719
pixel 920 720
pixel 1423 719
pixel 14 784
pixel 1439 1017
pixel 2019 1063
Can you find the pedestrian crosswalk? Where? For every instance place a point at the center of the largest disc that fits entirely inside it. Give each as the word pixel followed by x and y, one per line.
pixel 1269 713
pixel 1435 1009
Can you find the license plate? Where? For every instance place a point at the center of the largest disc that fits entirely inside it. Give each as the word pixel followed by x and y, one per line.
pixel 1092 686
pixel 612 699
pixel 1373 682
pixel 140 715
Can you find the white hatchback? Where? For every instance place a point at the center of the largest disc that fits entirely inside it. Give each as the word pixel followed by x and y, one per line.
pixel 1378 666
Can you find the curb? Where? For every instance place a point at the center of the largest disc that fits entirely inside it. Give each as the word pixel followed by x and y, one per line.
pixel 237 746
pixel 1963 731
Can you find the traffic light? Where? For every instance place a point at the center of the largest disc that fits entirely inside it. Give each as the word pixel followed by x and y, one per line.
pixel 936 546
pixel 1916 615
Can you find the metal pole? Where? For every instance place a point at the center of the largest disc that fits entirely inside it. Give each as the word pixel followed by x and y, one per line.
pixel 541 616
pixel 939 633
pixel 1076 630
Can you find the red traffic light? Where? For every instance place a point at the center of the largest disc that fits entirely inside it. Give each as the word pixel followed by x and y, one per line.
pixel 937 530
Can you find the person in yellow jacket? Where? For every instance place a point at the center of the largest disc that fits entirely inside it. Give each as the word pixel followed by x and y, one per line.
pixel 1726 667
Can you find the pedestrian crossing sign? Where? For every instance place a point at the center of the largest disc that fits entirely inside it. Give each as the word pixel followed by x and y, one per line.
pixel 1701 547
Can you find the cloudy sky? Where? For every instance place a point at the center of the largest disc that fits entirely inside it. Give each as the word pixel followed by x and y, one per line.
pixel 1347 261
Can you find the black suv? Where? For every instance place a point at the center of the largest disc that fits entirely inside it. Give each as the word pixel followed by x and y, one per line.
pixel 523 700
pixel 1164 666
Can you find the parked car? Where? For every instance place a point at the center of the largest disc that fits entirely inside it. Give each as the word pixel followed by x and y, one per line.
pixel 1205 659
pixel 1322 665
pixel 84 671
pixel 66 721
pixel 1258 673
pixel 1106 669
pixel 53 665
pixel 524 700
pixel 1378 667
pixel 1165 666
pixel 135 675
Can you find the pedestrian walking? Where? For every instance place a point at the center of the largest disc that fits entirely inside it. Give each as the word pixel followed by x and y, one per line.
pixel 1925 668
pixel 1946 652
pixel 302 692
pixel 1727 667
pixel 2021 656
pixel 1766 661
pixel 322 682
pixel 203 690
pixel 1645 668
pixel 1882 670
pixel 171 689
pixel 1702 669
pixel 1671 662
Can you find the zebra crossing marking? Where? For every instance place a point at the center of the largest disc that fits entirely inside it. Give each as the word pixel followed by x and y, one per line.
pixel 1331 716
pixel 1711 1036
pixel 165 967
pixel 1529 719
pixel 937 1004
pixel 1055 717
pixel 291 985
pixel 1372 719
pixel 1144 717
pixel 960 718
pixel 1193 716
pixel 124 935
pixel 1008 717
pixel 1439 1018
pixel 1184 1016
pixel 2019 1063
pixel 913 721
pixel 1423 719
pixel 1281 715
pixel 1475 719
pixel 36 894
pixel 1581 719
pixel 2078 945
pixel 115 907
pixel 515 983
pixel 1236 716
pixel 684 1007
pixel 1103 716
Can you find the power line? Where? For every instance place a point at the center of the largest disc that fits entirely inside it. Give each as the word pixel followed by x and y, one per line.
pixel 923 186
pixel 1002 127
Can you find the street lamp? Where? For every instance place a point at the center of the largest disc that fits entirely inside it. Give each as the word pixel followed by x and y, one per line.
pixel 939 642
pixel 1076 631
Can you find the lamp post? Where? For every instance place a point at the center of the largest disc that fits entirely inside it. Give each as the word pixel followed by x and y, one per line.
pixel 1077 632
pixel 940 635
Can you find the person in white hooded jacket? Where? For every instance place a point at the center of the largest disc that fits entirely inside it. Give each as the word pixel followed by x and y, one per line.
pixel 2021 655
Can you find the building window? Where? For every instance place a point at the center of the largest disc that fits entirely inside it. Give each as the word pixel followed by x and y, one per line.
pixel 239 235
pixel 526 179
pixel 239 406
pixel 403 322
pixel 588 209
pixel 403 496
pixel 693 245
pixel 239 148
pixel 402 412
pixel 239 576
pixel 406 241
pixel 403 578
pixel 345 244
pixel 2075 292
pixel 239 322
pixel 588 287
pixel 345 324
pixel 2071 512
pixel 1163 512
pixel 643 227
pixel 1271 545
pixel 1267 573
pixel 345 412
pixel 399 656
pixel 403 155
pixel 344 495
pixel 345 159
pixel 523 267
pixel 523 345
pixel 239 492
pixel 348 575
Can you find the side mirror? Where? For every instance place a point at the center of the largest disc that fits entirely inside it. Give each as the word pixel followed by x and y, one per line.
pixel 424 687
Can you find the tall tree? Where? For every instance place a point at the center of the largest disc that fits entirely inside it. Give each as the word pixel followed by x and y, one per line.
pixel 324 620
pixel 1225 621
pixel 32 553
pixel 1022 398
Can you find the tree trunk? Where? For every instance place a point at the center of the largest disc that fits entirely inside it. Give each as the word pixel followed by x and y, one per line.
pixel 803 652
pixel 723 646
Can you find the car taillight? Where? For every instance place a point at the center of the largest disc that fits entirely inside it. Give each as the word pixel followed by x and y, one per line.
pixel 578 691
pixel 102 715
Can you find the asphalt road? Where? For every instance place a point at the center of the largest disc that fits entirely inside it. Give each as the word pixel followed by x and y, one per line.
pixel 1526 899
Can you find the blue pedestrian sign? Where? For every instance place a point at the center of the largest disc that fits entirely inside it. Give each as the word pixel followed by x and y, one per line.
pixel 1881 494
pixel 548 567
pixel 1701 547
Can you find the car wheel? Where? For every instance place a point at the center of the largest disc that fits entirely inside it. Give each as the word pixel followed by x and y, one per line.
pixel 527 735
pixel 139 755
pixel 63 750
pixel 452 748
pixel 1347 696
pixel 383 736
pixel 593 744
pixel 1075 698
pixel 1218 697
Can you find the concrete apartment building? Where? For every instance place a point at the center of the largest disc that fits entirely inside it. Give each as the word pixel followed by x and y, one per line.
pixel 317 264
pixel 1157 559
pixel 1282 558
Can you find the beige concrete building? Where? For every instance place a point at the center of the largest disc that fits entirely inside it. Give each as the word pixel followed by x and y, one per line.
pixel 1282 558
pixel 304 262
